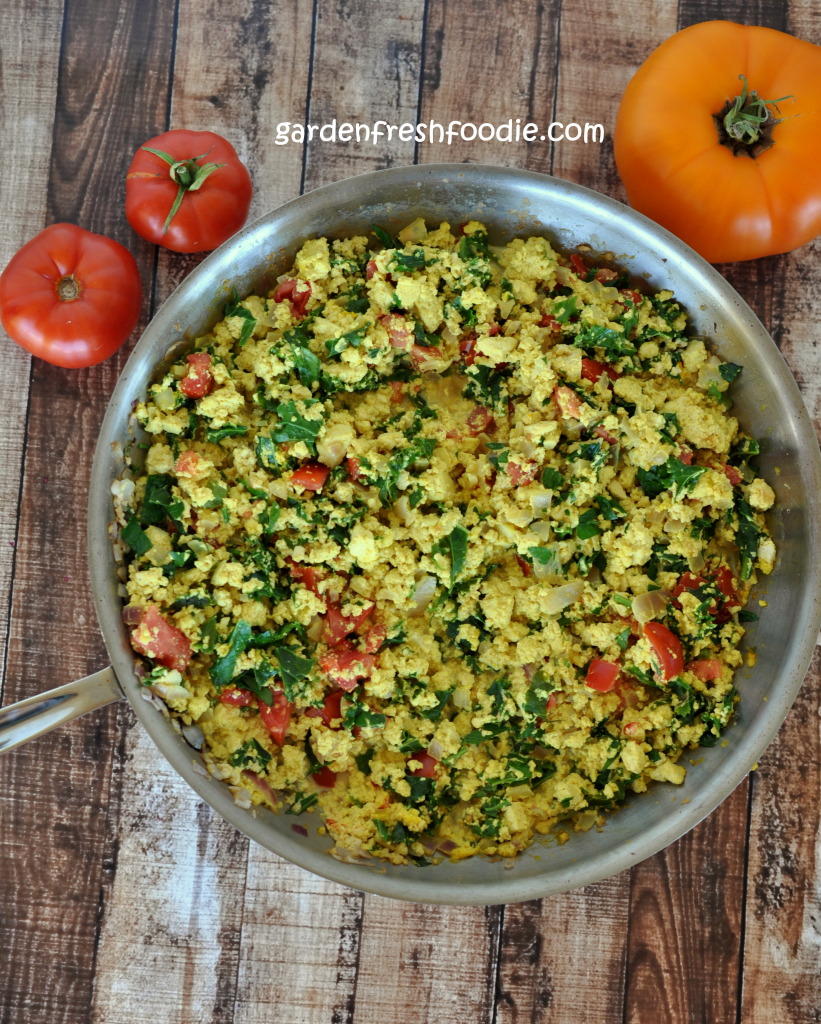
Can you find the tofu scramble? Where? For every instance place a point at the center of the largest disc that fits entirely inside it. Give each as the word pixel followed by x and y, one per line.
pixel 449 542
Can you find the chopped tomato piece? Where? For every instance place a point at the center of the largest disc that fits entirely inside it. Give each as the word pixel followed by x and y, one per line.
pixel 732 474
pixel 578 264
pixel 199 381
pixel 705 669
pixel 331 710
pixel 156 638
pixel 346 668
pixel 188 464
pixel 685 456
pixel 236 697
pixel 550 321
pixel 524 565
pixel 374 638
pixel 666 647
pixel 604 434
pixel 592 369
pixel 308 575
pixel 602 675
pixel 634 296
pixel 370 270
pixel 552 701
pixel 521 473
pixel 467 346
pixel 428 765
pixel 277 716
pixel 399 335
pixel 421 355
pixel 312 476
pixel 325 777
pixel 480 420
pixel 568 402
pixel 352 466
pixel 297 292
pixel 338 626
pixel 605 274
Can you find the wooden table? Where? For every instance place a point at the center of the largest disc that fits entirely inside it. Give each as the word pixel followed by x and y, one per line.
pixel 123 898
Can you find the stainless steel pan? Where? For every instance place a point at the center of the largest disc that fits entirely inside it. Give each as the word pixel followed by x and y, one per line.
pixel 768 403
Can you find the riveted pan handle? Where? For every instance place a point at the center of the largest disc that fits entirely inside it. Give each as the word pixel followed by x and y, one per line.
pixel 33 716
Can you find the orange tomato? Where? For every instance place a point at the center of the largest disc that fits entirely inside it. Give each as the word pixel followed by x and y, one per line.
pixel 680 168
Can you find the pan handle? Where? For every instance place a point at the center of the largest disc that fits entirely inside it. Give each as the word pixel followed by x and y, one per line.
pixel 33 716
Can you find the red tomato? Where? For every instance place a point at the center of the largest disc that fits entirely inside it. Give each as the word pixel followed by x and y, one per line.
pixel 352 466
pixel 397 327
pixel 550 321
pixel 331 710
pixel 666 647
pixel 236 697
pixel 176 199
pixel 521 473
pixel 311 476
pixel 705 669
pixel 421 355
pixel 298 296
pixel 70 297
pixel 480 420
pixel 467 347
pixel 602 675
pixel 568 402
pixel 592 369
pixel 158 639
pixel 338 626
pixel 374 638
pixel 276 717
pixel 308 575
pixel 325 777
pixel 188 464
pixel 346 668
pixel 199 381
pixel 428 766
pixel 578 264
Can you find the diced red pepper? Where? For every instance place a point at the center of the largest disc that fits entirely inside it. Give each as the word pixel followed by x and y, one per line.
pixel 428 765
pixel 297 292
pixel 480 420
pixel 346 668
pixel 276 716
pixel 666 647
pixel 602 675
pixel 156 638
pixel 199 381
pixel 311 475
pixel 236 697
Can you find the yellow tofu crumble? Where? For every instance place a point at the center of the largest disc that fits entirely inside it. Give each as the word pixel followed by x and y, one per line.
pixel 445 541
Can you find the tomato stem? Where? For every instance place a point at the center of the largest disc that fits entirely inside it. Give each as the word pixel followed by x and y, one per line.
pixel 187 174
pixel 745 124
pixel 68 289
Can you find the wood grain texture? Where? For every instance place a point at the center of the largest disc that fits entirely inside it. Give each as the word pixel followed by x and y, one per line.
pixel 365 69
pixel 686 909
pixel 782 951
pixel 55 791
pixel 441 962
pixel 497 65
pixel 563 953
pixel 28 90
pixel 172 899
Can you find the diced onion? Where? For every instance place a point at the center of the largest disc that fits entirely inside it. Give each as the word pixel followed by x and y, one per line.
pixel 541 500
pixel 461 698
pixel 542 529
pixel 435 749
pixel 649 605
pixel 416 231
pixel 165 399
pixel 332 447
pixel 423 594
pixel 558 598
pixel 552 567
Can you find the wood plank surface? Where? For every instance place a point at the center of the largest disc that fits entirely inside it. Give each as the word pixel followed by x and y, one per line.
pixel 122 895
pixel 55 792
